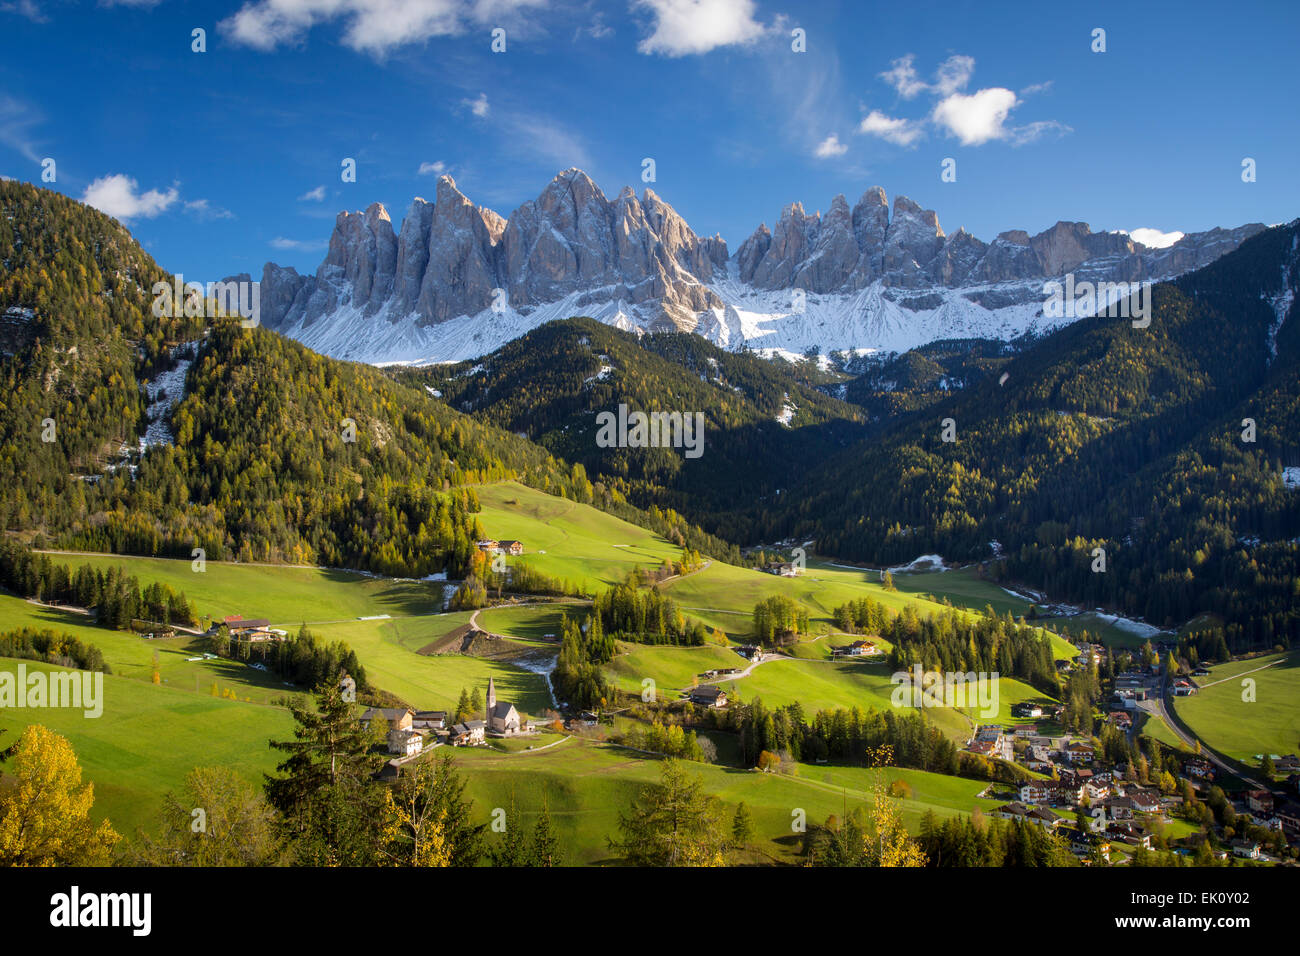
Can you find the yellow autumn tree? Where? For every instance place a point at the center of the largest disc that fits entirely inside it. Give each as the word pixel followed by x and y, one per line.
pixel 414 825
pixel 887 842
pixel 45 811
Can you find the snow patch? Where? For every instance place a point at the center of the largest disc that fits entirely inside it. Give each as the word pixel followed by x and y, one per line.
pixel 164 392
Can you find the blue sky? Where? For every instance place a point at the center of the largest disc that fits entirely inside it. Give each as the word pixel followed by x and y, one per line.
pixel 222 160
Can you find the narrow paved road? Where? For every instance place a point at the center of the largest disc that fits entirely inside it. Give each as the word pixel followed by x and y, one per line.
pixel 1161 708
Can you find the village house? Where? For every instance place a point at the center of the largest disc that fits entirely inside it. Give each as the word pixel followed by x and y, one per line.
pixel 512 547
pixel 1038 759
pixel 489 546
pixel 1120 719
pixel 708 695
pixel 1027 709
pixel 783 568
pixel 1247 849
pixel 1184 688
pixel 1131 832
pixel 1078 752
pixel 1288 814
pixel 468 734
pixel 405 743
pixel 856 649
pixel 1287 764
pixel 1259 801
pixel 252 630
pixel 1019 811
pixel 398 718
pixel 429 720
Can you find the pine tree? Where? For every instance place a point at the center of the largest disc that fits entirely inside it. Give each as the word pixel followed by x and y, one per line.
pixel 742 826
pixel 545 848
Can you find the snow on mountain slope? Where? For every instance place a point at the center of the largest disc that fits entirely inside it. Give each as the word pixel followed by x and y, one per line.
pixel 458 280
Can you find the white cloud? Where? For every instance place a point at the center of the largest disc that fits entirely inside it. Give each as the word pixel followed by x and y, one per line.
pixel 973 118
pixel 204 211
pixel 372 26
pixel 830 146
pixel 437 168
pixel 900 132
pixel 902 77
pixel 479 105
pixel 313 195
pixel 953 75
pixel 977 117
pixel 118 196
pixel 298 245
pixel 1154 238
pixel 686 27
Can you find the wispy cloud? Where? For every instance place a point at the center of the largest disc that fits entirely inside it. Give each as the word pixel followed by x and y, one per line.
pixel 479 105
pixel 25 8
pixel 436 168
pixel 204 211
pixel 17 120
pixel 900 132
pixel 313 195
pixel 299 245
pixel 370 26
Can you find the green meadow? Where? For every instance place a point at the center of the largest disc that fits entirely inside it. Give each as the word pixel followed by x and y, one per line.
pixel 585 785
pixel 149 737
pixel 152 734
pixel 285 594
pixel 1244 728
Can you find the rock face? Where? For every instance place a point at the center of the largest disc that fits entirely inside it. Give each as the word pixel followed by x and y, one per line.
pixel 636 256
pixel 451 258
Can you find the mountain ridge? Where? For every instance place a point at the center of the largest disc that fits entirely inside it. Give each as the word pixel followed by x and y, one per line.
pixel 458 280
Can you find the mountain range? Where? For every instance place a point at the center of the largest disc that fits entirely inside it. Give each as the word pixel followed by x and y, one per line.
pixel 458 280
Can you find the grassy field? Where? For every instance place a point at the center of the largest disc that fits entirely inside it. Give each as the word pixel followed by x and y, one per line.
pixel 585 785
pixel 671 668
pixel 1155 728
pixel 154 734
pixel 1242 729
pixel 579 543
pixel 568 540
pixel 287 595
pixel 149 737
pixel 434 683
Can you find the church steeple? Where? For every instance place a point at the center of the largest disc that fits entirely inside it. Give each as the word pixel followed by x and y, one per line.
pixel 491 697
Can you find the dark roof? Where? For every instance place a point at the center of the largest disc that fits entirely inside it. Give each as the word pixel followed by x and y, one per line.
pixel 388 713
pixel 239 623
pixel 431 714
pixel 708 690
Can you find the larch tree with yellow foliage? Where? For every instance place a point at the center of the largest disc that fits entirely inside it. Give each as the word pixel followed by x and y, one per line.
pixel 887 842
pixel 45 809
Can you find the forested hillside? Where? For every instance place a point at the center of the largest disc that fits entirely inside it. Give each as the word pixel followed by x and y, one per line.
pixel 274 453
pixel 1106 436
pixel 550 383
